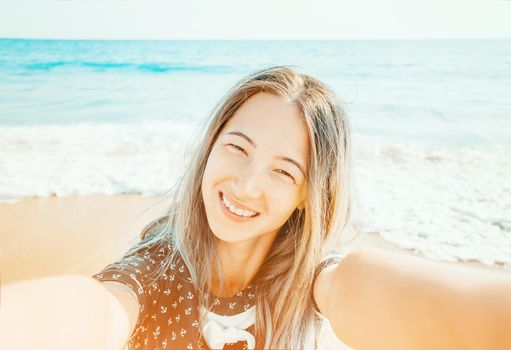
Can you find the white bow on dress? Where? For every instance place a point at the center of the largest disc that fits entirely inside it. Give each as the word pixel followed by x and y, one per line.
pixel 219 330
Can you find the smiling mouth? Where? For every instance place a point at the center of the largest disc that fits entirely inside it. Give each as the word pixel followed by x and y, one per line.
pixel 231 210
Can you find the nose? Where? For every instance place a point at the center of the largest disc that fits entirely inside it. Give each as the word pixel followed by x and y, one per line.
pixel 249 183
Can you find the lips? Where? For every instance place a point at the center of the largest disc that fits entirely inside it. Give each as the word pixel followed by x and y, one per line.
pixel 237 205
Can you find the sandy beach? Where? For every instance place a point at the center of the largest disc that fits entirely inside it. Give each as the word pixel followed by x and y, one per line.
pixel 70 235
pixel 82 234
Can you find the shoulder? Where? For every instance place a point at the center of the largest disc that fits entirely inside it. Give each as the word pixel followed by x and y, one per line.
pixel 154 226
pixel 144 263
pixel 324 277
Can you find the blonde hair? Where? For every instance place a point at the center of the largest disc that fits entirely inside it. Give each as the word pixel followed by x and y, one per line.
pixel 286 276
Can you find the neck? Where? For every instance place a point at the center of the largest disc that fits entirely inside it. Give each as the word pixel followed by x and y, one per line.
pixel 240 263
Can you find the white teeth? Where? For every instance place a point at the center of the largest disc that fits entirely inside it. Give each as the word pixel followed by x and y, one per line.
pixel 237 211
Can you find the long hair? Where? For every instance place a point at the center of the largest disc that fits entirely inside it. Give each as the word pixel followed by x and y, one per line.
pixel 286 276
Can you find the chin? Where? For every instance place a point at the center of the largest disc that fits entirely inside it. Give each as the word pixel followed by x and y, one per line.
pixel 229 234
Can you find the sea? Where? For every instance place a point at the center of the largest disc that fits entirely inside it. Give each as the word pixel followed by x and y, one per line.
pixel 430 121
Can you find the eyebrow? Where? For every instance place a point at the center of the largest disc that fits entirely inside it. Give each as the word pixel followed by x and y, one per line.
pixel 287 159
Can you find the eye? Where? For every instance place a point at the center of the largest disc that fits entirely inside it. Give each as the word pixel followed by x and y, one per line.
pixel 286 174
pixel 237 147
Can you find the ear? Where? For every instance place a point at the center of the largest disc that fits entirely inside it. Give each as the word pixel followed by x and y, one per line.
pixel 301 205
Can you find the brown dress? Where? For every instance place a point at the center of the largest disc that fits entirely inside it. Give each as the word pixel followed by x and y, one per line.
pixel 169 314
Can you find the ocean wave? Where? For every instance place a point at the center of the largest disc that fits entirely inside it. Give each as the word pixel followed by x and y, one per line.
pixel 146 67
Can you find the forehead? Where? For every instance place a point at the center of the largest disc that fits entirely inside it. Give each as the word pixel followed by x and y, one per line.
pixel 272 123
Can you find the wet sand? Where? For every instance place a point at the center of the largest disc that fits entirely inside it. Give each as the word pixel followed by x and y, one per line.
pixel 70 235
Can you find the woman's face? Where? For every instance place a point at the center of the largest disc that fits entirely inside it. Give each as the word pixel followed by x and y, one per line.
pixel 257 166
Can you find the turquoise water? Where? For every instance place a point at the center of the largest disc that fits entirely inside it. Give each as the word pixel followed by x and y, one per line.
pixel 453 91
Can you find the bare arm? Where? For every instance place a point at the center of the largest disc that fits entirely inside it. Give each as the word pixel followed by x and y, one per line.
pixel 127 298
pixel 375 299
pixel 61 312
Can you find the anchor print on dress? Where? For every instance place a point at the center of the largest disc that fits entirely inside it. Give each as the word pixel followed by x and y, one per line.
pixel 156 332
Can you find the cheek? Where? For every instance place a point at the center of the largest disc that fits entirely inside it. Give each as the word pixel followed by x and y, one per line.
pixel 283 203
pixel 215 169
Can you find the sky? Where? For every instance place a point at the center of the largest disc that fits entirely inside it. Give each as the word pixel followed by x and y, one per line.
pixel 262 19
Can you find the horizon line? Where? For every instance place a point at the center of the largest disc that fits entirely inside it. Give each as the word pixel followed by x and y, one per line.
pixel 253 39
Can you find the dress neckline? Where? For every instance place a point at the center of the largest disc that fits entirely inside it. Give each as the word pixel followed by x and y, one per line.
pixel 238 303
pixel 242 293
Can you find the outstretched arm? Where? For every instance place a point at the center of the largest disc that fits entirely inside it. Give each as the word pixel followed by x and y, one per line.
pixel 61 312
pixel 375 299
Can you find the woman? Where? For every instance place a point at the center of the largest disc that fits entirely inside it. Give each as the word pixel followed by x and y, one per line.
pixel 255 208
pixel 242 259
